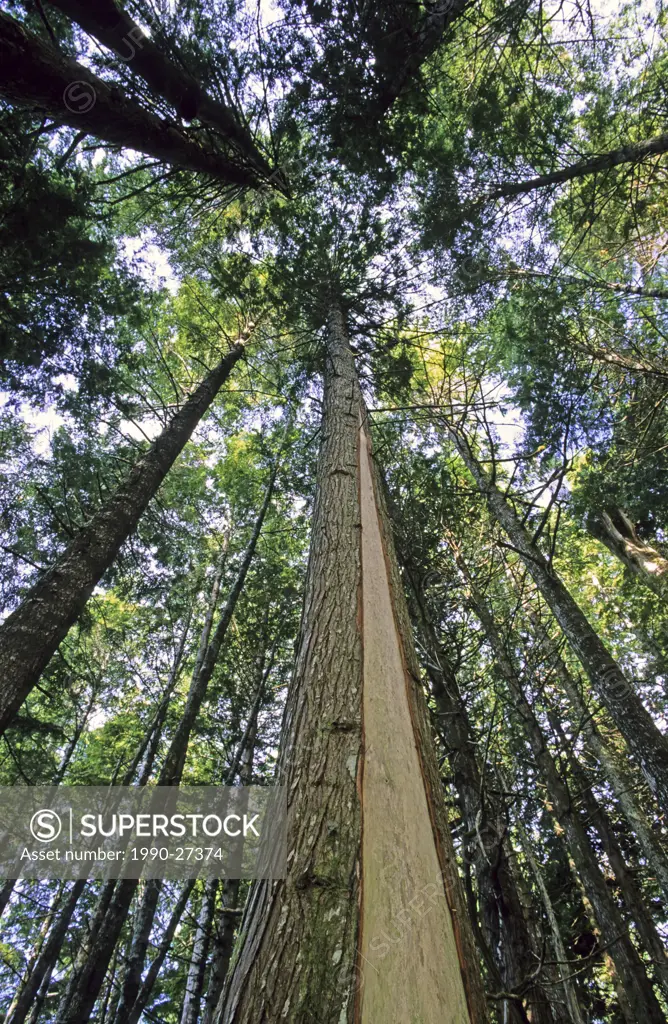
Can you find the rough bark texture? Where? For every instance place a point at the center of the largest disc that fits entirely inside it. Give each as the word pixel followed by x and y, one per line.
pixel 641 1002
pixel 114 28
pixel 298 957
pixel 629 154
pixel 32 633
pixel 647 743
pixel 36 75
pixel 617 532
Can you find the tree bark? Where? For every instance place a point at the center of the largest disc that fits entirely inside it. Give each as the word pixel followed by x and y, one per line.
pixel 114 28
pixel 642 1002
pixel 86 987
pixel 632 896
pixel 621 782
pixel 47 959
pixel 305 951
pixel 35 74
pixel 570 994
pixel 632 153
pixel 32 633
pixel 647 743
pixel 505 933
pixel 617 532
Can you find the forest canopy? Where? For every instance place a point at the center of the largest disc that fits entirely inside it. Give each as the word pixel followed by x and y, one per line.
pixel 334 454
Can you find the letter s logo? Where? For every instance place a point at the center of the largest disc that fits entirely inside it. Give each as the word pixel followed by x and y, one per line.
pixel 45 826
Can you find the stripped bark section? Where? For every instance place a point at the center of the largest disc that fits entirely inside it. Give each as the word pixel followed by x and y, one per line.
pixel 409 958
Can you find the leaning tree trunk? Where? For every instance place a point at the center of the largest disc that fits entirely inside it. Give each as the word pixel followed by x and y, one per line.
pixel 505 938
pixel 116 29
pixel 640 1002
pixel 634 900
pixel 617 532
pixel 369 848
pixel 35 74
pixel 567 982
pixel 647 743
pixel 32 633
pixel 621 780
pixel 85 988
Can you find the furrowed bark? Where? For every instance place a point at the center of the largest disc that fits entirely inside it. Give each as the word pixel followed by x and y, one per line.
pixel 36 75
pixel 632 153
pixel 115 29
pixel 617 532
pixel 647 743
pixel 640 1002
pixel 86 988
pixel 32 633
pixel 305 951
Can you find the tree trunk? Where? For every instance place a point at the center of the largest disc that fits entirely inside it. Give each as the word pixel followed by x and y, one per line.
pixel 634 899
pixel 642 1003
pixel 162 951
pixel 621 781
pixel 35 74
pixel 565 973
pixel 32 633
pixel 47 959
pixel 505 934
pixel 617 532
pixel 369 850
pixel 632 153
pixel 85 989
pixel 115 29
pixel 647 743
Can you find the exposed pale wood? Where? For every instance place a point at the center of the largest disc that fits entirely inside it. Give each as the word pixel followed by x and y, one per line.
pixel 409 963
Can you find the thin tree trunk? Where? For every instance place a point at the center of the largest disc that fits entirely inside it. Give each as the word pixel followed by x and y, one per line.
pixel 145 915
pixel 115 29
pixel 58 776
pixel 632 153
pixel 634 899
pixel 223 937
pixel 647 743
pixel 618 534
pixel 642 1002
pixel 47 959
pixel 570 993
pixel 81 998
pixel 163 949
pixel 313 945
pixel 622 783
pixel 31 634
pixel 505 934
pixel 37 75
